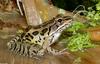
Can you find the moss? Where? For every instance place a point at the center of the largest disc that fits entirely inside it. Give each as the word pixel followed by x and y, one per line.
pixel 79 42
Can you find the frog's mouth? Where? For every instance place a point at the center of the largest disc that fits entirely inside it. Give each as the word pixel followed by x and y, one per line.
pixel 66 24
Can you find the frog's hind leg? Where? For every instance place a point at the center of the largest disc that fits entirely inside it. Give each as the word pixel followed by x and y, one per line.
pixel 12 44
pixel 57 52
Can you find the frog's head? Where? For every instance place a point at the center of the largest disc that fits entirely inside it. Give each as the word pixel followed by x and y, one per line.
pixel 61 19
pixel 61 22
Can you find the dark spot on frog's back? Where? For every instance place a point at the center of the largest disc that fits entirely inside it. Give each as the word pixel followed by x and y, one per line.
pixel 39 41
pixel 22 35
pixel 36 41
pixel 44 38
pixel 35 33
pixel 44 31
pixel 26 35
pixel 28 39
pixel 49 30
pixel 30 35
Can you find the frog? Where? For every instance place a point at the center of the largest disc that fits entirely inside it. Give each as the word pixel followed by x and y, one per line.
pixel 35 41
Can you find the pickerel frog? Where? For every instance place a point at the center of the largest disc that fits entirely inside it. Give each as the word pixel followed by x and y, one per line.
pixel 35 41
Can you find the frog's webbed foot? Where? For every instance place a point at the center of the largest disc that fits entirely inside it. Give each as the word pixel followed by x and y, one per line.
pixel 57 52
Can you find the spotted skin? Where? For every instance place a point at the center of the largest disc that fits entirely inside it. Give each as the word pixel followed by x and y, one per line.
pixel 37 40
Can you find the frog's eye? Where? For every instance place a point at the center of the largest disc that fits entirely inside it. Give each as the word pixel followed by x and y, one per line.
pixel 59 20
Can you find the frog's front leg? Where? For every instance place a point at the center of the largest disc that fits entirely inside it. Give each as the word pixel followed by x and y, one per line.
pixel 47 46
